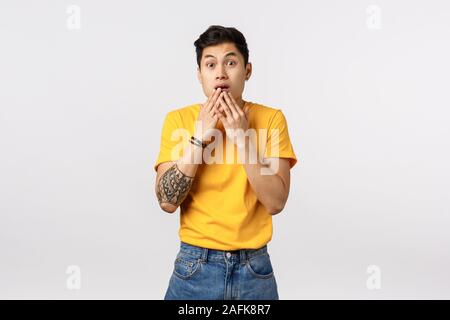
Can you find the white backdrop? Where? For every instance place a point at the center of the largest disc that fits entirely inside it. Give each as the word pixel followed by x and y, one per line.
pixel 85 85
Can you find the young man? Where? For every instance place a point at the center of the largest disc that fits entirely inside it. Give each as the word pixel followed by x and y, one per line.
pixel 226 204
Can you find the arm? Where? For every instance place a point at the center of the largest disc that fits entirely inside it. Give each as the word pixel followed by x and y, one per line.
pixel 174 179
pixel 272 190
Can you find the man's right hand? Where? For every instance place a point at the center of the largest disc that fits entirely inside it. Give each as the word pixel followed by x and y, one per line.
pixel 207 117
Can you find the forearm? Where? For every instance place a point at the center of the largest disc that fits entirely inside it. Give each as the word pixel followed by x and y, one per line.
pixel 269 188
pixel 192 157
pixel 174 185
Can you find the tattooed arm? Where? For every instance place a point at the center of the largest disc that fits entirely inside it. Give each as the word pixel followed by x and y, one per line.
pixel 174 179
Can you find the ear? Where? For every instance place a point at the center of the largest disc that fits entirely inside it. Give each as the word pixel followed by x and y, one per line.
pixel 199 75
pixel 248 70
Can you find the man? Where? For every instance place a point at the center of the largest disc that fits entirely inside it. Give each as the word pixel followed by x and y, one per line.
pixel 226 204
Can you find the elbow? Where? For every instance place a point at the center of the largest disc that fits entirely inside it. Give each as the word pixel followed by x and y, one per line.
pixel 164 205
pixel 276 208
pixel 168 207
pixel 273 210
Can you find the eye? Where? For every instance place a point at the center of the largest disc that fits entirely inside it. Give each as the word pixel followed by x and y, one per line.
pixel 231 62
pixel 209 64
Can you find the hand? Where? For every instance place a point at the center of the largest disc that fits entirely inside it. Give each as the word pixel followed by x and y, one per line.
pixel 207 117
pixel 235 118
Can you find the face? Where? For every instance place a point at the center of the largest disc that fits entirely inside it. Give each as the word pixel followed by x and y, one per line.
pixel 223 65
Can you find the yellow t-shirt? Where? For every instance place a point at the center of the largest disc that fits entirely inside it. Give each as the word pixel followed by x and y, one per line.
pixel 221 210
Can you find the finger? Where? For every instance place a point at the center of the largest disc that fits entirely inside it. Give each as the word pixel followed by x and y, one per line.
pixel 208 101
pixel 233 108
pixel 209 98
pixel 226 109
pixel 246 110
pixel 217 108
pixel 213 100
pixel 241 112
pixel 235 103
pixel 214 110
pixel 217 103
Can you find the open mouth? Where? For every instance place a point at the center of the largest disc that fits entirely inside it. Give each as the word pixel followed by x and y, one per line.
pixel 223 88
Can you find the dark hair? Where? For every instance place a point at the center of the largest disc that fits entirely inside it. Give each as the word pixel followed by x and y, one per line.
pixel 216 35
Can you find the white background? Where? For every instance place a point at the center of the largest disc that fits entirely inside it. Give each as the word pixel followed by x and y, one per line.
pixel 81 112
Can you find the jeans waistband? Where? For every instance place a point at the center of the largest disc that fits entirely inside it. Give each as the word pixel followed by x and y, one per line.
pixel 205 253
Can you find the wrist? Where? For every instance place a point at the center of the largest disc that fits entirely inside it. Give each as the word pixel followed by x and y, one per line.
pixel 198 142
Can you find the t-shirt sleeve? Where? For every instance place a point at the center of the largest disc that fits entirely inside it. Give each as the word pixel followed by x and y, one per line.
pixel 278 142
pixel 171 146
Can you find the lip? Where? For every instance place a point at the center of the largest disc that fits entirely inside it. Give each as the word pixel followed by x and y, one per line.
pixel 223 86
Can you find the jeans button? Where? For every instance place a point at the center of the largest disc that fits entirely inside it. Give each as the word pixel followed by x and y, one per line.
pixel 228 255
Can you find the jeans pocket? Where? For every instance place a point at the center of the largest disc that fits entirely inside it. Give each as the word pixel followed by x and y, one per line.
pixel 186 266
pixel 260 266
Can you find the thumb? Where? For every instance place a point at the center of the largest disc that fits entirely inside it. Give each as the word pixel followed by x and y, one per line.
pixel 246 111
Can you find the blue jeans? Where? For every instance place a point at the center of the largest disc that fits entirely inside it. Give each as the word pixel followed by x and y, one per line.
pixel 207 274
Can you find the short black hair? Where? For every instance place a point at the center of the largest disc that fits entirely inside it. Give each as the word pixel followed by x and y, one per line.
pixel 218 34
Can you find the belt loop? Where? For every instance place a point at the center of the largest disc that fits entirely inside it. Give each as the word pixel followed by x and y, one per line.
pixel 205 255
pixel 243 255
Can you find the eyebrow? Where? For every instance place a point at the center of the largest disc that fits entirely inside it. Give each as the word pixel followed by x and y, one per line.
pixel 232 53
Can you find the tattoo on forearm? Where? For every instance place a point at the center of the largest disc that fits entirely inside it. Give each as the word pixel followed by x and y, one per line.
pixel 173 186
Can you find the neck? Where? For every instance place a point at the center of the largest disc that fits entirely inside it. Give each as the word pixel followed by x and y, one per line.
pixel 240 102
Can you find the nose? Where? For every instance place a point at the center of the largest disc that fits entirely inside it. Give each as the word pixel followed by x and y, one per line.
pixel 221 74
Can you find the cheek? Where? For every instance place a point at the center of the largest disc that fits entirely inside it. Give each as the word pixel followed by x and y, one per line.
pixel 207 86
pixel 239 79
pixel 238 85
